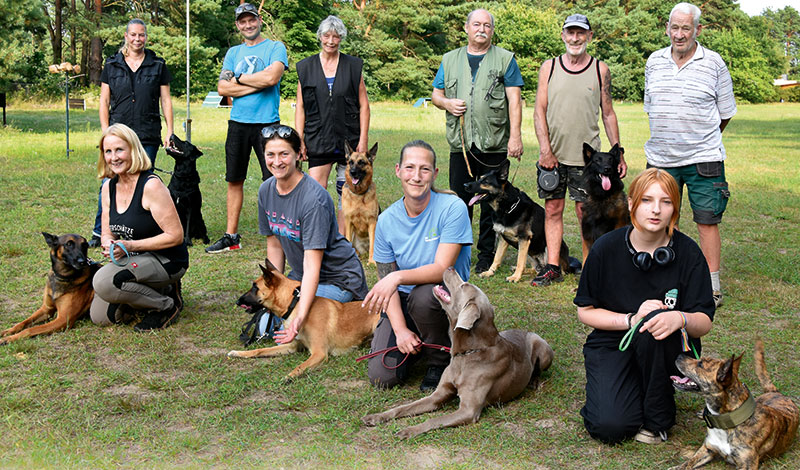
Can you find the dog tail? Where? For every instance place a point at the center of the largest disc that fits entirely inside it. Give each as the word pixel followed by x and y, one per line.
pixel 761 369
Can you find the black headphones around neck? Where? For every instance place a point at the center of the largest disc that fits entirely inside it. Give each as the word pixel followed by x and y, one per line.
pixel 662 255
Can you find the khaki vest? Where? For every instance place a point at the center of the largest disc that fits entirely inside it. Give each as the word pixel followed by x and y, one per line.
pixel 486 119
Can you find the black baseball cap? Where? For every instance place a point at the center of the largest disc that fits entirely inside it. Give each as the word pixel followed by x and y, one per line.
pixel 578 20
pixel 245 9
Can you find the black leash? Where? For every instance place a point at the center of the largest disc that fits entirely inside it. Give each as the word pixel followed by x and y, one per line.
pixel 249 334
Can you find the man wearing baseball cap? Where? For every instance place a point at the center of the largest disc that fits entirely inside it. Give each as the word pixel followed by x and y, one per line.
pixel 573 88
pixel 251 75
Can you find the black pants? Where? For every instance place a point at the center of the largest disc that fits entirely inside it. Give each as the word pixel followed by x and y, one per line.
pixel 459 176
pixel 629 390
pixel 425 317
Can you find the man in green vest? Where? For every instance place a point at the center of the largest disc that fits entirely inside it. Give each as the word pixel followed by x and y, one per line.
pixel 479 86
pixel 573 88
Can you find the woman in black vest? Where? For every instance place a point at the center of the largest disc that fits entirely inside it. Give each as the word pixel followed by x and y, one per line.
pixel 142 235
pixel 133 83
pixel 332 107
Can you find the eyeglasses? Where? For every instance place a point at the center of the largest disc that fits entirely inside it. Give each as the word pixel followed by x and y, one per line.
pixel 282 131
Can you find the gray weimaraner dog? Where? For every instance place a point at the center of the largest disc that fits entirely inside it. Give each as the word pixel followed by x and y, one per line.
pixel 486 367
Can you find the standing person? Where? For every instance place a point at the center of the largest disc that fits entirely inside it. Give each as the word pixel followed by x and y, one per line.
pixel 332 107
pixel 133 83
pixel 573 89
pixel 142 234
pixel 681 78
pixel 297 216
pixel 648 273
pixel 251 74
pixel 479 86
pixel 417 238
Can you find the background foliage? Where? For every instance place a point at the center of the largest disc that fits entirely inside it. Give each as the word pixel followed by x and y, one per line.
pixel 401 41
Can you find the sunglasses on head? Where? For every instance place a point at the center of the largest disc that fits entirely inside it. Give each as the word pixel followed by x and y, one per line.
pixel 282 131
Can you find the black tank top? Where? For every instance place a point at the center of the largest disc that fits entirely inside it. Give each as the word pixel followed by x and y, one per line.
pixel 137 223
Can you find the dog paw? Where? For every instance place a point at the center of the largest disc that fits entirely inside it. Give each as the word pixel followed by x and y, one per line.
pixel 487 273
pixel 514 278
pixel 371 420
pixel 234 354
pixel 406 433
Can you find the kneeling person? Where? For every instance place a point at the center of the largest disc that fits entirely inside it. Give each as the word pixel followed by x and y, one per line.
pixel 416 239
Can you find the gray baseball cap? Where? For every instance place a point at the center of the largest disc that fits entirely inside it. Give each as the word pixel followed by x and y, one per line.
pixel 245 9
pixel 578 20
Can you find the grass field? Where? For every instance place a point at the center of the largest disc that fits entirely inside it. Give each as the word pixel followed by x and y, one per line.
pixel 97 397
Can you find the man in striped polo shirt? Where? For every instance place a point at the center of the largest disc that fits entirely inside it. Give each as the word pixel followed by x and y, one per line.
pixel 689 99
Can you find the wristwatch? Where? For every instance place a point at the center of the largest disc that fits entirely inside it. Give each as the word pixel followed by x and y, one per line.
pixel 236 77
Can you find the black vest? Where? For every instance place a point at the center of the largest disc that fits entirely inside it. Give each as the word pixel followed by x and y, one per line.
pixel 331 117
pixel 136 104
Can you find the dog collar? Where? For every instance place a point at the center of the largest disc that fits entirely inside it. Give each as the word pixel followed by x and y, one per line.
pixel 293 304
pixel 732 419
pixel 467 352
pixel 514 206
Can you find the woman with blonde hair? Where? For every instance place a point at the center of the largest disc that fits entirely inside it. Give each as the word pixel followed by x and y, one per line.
pixel 141 234
pixel 650 281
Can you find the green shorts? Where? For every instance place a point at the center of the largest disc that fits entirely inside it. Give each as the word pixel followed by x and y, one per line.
pixel 708 191
pixel 569 177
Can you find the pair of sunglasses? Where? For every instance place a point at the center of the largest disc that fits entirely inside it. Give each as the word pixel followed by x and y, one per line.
pixel 282 131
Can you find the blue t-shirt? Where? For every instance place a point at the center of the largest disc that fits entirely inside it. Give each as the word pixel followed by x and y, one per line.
pixel 260 107
pixel 512 77
pixel 412 242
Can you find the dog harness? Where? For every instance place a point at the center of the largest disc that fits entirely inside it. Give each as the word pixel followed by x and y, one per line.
pixel 733 418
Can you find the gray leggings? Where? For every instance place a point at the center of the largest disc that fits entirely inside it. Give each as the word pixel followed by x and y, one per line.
pixel 137 284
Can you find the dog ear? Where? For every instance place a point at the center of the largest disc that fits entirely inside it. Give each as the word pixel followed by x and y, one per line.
pixel 347 149
pixel 52 240
pixel 729 370
pixel 502 176
pixel 615 153
pixel 373 152
pixel 468 316
pixel 588 151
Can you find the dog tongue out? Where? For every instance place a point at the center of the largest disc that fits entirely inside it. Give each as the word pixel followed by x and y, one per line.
pixel 475 199
pixel 355 181
pixel 606 182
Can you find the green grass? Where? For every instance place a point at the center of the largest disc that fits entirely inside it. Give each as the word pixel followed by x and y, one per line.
pixel 108 397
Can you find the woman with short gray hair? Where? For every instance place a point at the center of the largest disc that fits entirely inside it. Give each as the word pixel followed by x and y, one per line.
pixel 332 107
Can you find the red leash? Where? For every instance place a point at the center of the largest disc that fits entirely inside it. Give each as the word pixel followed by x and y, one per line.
pixel 395 348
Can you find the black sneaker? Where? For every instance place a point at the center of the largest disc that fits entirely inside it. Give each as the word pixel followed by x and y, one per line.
pixel 226 243
pixel 158 320
pixel 431 379
pixel 482 265
pixel 94 242
pixel 548 275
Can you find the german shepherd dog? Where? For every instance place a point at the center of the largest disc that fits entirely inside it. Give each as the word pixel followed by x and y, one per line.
pixel 330 328
pixel 741 430
pixel 606 206
pixel 360 200
pixel 518 221
pixel 68 293
pixel 184 187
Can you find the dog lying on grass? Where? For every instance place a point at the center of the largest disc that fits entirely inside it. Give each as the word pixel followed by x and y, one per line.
pixel 486 367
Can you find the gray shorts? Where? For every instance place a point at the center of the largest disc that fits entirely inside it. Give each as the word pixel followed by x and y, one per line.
pixel 569 177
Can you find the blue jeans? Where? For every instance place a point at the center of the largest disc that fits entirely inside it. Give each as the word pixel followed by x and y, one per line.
pixel 151 151
pixel 329 291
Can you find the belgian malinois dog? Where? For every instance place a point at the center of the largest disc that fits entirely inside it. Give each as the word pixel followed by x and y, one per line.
pixel 68 292
pixel 330 328
pixel 360 200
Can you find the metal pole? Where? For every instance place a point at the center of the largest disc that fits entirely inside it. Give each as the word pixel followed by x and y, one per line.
pixel 188 81
pixel 66 100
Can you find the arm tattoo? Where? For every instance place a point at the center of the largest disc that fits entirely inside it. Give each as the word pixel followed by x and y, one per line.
pixel 226 75
pixel 607 84
pixel 385 268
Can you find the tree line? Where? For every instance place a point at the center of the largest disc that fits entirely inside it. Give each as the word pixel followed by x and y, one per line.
pixel 401 41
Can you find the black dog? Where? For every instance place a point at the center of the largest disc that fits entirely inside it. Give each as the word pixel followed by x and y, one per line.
pixel 606 206
pixel 185 189
pixel 518 221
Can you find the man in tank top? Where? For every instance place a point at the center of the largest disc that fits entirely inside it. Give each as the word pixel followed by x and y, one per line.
pixel 573 88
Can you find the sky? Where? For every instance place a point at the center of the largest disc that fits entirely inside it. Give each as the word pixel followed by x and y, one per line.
pixel 755 7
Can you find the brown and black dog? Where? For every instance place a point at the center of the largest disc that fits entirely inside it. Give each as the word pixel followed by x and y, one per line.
pixel 68 293
pixel 486 367
pixel 740 430
pixel 330 328
pixel 606 206
pixel 360 200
